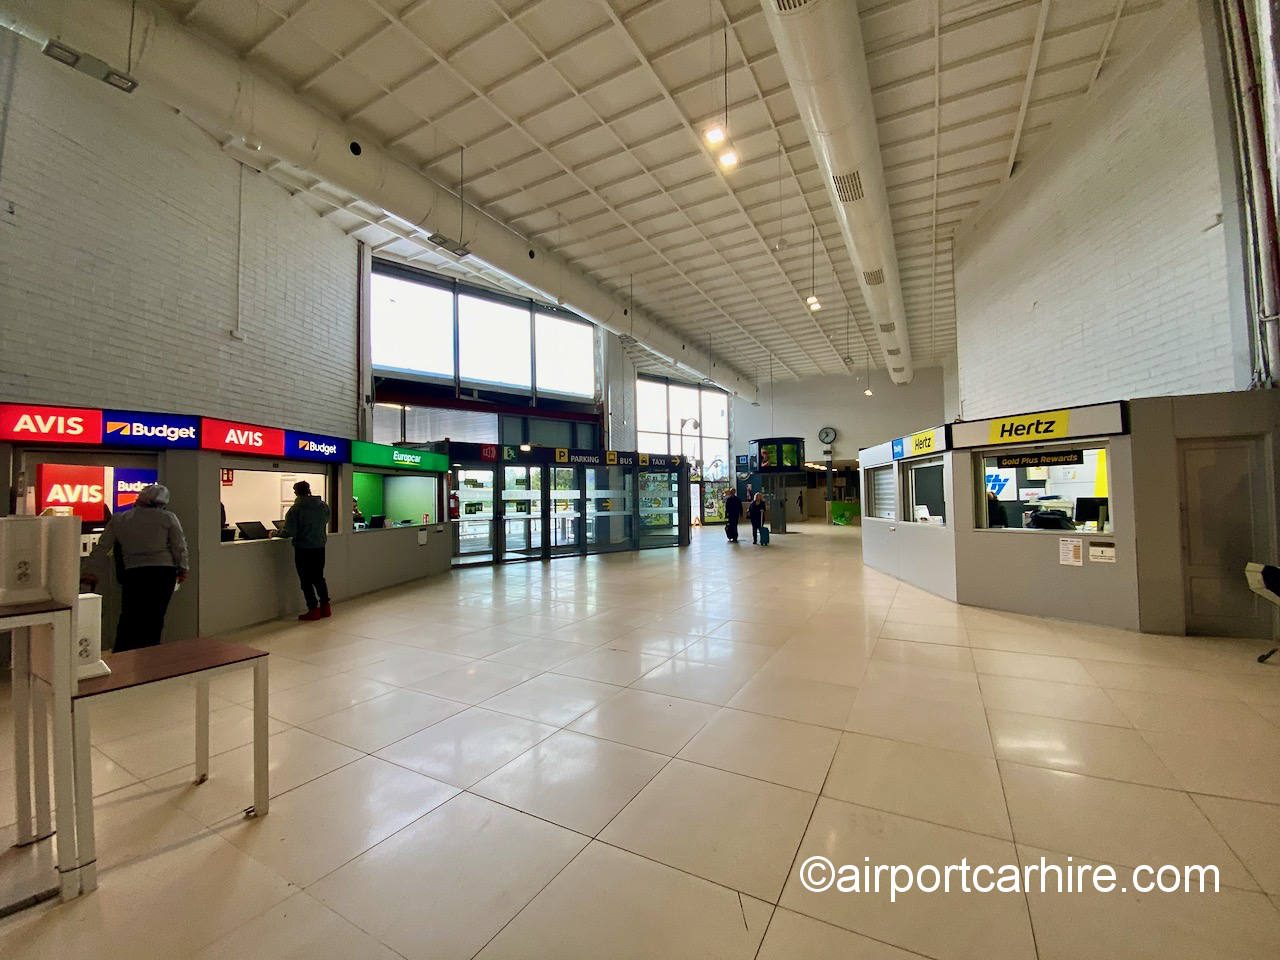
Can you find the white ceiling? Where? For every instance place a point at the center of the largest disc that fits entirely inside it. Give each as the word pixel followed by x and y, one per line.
pixel 582 120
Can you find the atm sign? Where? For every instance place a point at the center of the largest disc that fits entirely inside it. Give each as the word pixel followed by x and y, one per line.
pixel 235 437
pixel 81 488
pixel 51 424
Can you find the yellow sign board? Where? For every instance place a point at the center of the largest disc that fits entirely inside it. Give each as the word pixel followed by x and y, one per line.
pixel 922 442
pixel 1030 427
pixel 644 459
pixel 611 457
pixel 562 455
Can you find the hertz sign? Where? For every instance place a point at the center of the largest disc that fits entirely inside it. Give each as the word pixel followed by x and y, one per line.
pixel 1030 427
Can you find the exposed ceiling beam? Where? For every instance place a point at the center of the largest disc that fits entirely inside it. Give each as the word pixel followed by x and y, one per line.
pixel 1045 6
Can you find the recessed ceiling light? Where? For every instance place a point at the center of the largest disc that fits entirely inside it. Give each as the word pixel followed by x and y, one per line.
pixel 714 135
pixel 61 52
pixel 728 159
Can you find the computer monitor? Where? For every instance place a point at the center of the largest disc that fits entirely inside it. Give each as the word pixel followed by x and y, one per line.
pixel 1091 509
pixel 278 524
pixel 227 534
pixel 377 521
pixel 252 530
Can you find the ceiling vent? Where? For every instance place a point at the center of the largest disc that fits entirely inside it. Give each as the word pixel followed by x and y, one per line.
pixel 894 351
pixel 873 277
pixel 848 186
pixel 898 369
pixel 787 6
pixel 888 327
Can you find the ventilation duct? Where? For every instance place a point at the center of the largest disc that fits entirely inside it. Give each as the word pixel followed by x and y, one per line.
pixel 820 46
pixel 190 73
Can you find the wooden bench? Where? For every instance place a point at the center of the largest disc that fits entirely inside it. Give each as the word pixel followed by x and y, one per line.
pixel 201 658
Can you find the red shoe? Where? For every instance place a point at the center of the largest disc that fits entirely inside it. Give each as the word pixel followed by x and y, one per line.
pixel 326 610
pixel 312 614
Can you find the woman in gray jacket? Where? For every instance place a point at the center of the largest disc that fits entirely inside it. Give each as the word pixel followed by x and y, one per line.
pixel 154 554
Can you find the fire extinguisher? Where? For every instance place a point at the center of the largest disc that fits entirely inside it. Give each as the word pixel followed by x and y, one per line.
pixel 455 506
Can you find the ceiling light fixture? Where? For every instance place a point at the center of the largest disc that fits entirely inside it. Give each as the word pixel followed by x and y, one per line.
pixel 728 159
pixel 714 136
pixel 867 392
pixel 812 298
pixel 90 65
pixel 525 447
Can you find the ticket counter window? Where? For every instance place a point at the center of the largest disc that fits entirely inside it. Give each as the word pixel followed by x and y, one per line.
pixel 394 500
pixel 255 501
pixel 922 479
pixel 1046 489
pixel 883 493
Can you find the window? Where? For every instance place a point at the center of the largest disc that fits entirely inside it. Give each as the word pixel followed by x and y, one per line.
pixel 493 342
pixel 1046 488
pixel 651 407
pixel 925 493
pixel 412 326
pixel 251 497
pixel 392 500
pixel 883 493
pixel 427 424
pixel 388 423
pixel 566 356
pixel 687 421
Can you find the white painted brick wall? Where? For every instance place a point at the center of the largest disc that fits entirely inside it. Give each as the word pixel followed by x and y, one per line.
pixel 118 276
pixel 1100 273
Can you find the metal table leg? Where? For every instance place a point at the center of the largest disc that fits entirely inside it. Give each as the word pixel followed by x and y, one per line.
pixel 85 838
pixel 20 658
pixel 64 776
pixel 202 728
pixel 261 785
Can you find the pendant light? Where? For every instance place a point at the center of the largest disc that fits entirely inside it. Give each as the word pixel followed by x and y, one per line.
pixel 867 392
pixel 812 299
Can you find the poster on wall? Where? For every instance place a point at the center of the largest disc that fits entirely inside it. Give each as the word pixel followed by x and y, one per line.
pixel 1070 551
pixel 127 484
pixel 1003 482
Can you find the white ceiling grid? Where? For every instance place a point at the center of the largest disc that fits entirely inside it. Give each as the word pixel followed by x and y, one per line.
pixel 582 122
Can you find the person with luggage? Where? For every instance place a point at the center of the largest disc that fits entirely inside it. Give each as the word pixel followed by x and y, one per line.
pixel 307 524
pixel 732 514
pixel 756 513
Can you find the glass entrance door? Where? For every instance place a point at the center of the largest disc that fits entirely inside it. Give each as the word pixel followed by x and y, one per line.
pixel 610 503
pixel 474 521
pixel 523 532
pixel 566 510
pixel 659 507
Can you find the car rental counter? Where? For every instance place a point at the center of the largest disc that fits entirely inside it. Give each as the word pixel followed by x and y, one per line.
pixel 1137 514
pixel 1030 513
pixel 231 485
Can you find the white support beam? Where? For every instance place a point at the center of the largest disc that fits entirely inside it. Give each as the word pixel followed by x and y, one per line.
pixel 1026 88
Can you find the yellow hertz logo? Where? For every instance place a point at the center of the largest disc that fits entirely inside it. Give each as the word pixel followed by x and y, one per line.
pixel 1032 426
pixel 118 426
pixel 922 442
pixel 562 455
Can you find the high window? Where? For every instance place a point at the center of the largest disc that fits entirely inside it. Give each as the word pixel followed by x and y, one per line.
pixel 689 421
pixel 501 343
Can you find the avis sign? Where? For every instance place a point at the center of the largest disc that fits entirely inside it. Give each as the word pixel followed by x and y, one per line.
pixel 19 422
pixel 232 437
pixel 81 488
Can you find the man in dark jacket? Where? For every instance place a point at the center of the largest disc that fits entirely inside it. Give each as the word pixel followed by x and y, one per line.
pixel 732 514
pixel 307 524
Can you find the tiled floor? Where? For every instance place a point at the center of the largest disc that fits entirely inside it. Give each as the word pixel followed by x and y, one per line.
pixel 629 756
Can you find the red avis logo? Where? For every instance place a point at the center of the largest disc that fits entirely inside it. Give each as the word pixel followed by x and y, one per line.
pixel 81 488
pixel 61 424
pixel 235 437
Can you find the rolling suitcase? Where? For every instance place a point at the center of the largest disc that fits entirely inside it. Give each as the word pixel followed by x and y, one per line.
pixel 764 536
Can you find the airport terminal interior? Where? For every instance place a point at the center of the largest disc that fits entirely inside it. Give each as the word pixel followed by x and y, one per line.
pixel 800 479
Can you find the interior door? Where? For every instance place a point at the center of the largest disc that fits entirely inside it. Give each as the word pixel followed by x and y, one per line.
pixel 1226 522
pixel 475 525
pixel 523 532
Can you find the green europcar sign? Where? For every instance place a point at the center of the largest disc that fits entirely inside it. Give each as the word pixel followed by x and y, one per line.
pixel 401 458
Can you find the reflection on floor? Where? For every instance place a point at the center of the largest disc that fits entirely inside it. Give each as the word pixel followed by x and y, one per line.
pixel 629 756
